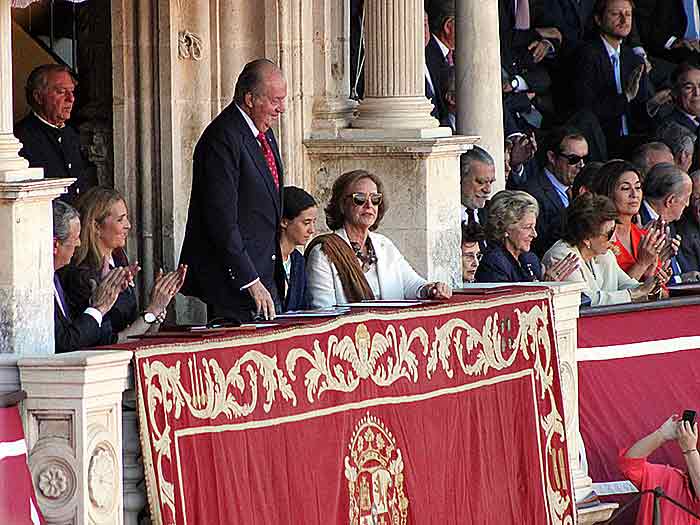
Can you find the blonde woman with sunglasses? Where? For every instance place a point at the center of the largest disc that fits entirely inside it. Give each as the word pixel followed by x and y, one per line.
pixel 355 263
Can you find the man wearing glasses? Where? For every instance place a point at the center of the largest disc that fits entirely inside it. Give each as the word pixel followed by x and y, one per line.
pixel 566 155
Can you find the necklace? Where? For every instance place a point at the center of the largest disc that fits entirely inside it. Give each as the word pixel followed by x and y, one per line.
pixel 366 261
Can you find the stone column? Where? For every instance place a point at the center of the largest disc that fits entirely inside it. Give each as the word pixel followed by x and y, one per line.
pixel 333 109
pixel 394 73
pixel 566 301
pixel 26 290
pixel 73 425
pixel 420 180
pixel 478 78
pixel 134 486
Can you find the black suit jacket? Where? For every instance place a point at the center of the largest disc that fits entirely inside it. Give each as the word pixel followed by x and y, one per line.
pixel 55 150
pixel 515 56
pixel 689 253
pixel 80 332
pixel 595 89
pixel 572 18
pixel 232 233
pixel 437 66
pixel 549 220
pixel 659 20
pixel 499 266
pixel 681 119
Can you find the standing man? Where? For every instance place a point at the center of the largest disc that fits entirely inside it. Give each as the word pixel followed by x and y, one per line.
pixel 232 237
pixel 47 142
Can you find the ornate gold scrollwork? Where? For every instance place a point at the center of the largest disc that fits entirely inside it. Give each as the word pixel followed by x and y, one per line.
pixel 330 371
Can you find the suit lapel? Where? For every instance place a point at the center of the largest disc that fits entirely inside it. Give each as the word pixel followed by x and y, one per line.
pixel 255 150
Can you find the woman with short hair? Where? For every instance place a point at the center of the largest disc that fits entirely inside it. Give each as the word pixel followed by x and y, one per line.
pixel 353 263
pixel 510 230
pixel 588 235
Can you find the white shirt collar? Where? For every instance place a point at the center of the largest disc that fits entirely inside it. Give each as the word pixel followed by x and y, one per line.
pixel 47 122
pixel 249 121
pixel 610 49
pixel 652 211
pixel 555 182
pixel 691 117
pixel 443 47
pixel 426 72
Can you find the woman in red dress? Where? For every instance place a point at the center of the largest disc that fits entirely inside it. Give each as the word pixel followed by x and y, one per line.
pixel 638 251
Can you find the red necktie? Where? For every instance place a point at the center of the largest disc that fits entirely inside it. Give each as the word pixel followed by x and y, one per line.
pixel 450 58
pixel 269 158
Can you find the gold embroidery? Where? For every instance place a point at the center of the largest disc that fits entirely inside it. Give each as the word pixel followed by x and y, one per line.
pixel 378 496
pixel 383 359
pixel 363 354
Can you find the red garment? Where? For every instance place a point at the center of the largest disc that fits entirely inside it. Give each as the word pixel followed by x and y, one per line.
pixel 624 258
pixel 674 482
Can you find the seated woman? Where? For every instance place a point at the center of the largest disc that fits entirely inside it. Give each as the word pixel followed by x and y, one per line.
pixel 298 225
pixel 105 227
pixel 353 263
pixel 510 230
pixel 638 252
pixel 588 235
pixel 472 235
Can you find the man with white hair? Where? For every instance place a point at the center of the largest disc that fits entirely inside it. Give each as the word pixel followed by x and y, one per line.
pixel 477 175
pixel 666 191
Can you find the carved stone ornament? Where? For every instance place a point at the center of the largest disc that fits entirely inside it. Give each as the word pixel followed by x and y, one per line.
pixel 53 482
pixel 189 45
pixel 102 478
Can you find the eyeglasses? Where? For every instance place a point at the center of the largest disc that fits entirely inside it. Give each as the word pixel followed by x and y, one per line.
pixel 473 257
pixel 359 198
pixel 574 159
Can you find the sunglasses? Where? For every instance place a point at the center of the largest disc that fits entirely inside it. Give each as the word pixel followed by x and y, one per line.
pixel 573 159
pixel 359 198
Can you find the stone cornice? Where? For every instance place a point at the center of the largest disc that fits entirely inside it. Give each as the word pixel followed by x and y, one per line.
pixel 33 189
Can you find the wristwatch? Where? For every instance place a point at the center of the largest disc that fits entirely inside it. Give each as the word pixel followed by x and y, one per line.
pixel 514 83
pixel 149 317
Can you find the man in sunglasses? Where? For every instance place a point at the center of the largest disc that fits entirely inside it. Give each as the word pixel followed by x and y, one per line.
pixel 565 156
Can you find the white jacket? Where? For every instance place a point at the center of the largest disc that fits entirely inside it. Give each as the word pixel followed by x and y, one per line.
pixel 397 280
pixel 607 283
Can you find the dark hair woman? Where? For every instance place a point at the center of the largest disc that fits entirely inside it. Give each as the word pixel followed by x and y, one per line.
pixel 298 225
pixel 589 234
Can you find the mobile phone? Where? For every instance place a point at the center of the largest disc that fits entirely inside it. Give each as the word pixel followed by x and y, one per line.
pixel 689 416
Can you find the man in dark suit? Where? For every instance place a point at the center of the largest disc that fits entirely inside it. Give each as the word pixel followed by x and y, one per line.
pixel 73 331
pixel 667 191
pixel 688 227
pixel 565 156
pixel 47 142
pixel 670 28
pixel 611 80
pixel 477 175
pixel 231 243
pixel 439 49
pixel 686 97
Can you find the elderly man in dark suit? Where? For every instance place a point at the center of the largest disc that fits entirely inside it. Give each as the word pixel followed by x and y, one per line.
pixel 47 141
pixel 231 241
pixel 566 155
pixel 688 228
pixel 611 79
pixel 686 97
pixel 73 331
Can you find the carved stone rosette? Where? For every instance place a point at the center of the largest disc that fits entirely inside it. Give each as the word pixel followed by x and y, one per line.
pixel 189 46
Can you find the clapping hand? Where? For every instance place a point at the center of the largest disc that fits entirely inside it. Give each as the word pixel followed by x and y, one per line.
pixel 105 294
pixel 560 270
pixel 632 87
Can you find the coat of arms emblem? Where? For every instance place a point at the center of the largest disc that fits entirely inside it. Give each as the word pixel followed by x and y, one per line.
pixel 374 470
